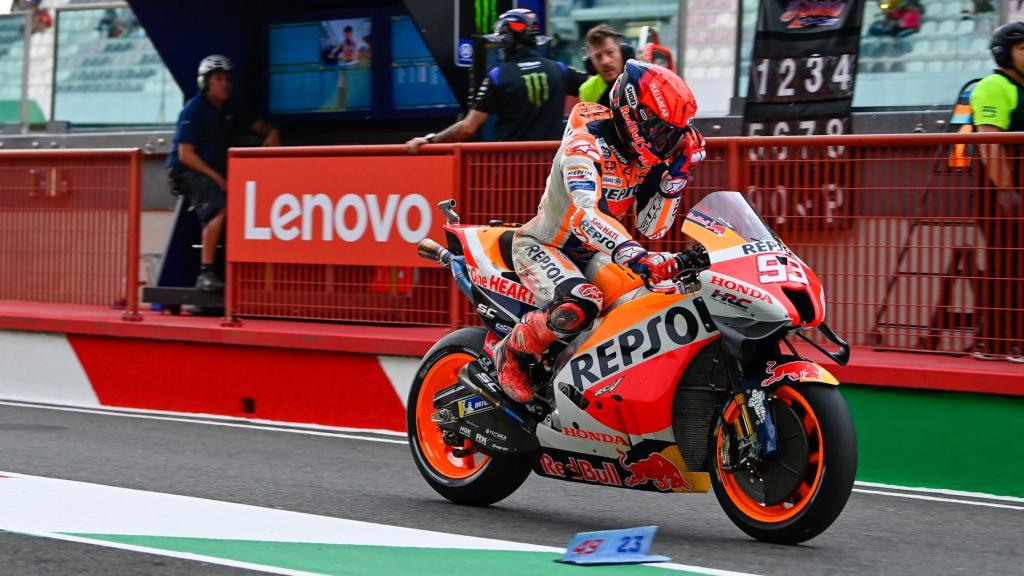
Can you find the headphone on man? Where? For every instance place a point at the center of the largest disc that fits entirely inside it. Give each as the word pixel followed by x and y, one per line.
pixel 1002 43
pixel 627 52
pixel 209 65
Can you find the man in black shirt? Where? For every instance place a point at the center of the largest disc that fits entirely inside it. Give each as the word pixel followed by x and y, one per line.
pixel 526 93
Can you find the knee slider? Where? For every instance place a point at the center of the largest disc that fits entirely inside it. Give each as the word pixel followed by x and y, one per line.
pixel 573 312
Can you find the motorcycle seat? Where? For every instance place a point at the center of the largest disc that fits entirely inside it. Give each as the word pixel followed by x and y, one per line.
pixel 496 242
pixel 505 249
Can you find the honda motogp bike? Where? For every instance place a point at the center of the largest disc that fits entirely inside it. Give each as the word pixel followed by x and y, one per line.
pixel 681 387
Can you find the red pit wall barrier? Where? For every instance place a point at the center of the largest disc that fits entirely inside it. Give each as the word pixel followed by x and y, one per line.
pixel 902 229
pixel 69 227
pixel 211 379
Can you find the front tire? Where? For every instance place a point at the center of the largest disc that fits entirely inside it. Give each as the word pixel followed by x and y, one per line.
pixel 815 431
pixel 477 479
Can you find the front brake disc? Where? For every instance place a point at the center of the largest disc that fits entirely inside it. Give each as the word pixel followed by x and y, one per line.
pixel 776 478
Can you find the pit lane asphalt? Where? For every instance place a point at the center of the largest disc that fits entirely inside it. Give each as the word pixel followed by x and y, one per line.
pixel 378 482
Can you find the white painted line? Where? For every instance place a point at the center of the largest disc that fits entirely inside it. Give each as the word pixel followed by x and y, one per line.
pixel 943 491
pixel 317 430
pixel 938 499
pixel 698 569
pixel 204 422
pixel 170 553
pixel 54 508
pixel 41 504
pixel 290 572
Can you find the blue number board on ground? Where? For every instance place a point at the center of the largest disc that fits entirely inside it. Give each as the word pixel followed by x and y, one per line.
pixel 626 546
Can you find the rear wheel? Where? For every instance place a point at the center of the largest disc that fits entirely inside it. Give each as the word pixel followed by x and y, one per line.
pixel 798 492
pixel 474 479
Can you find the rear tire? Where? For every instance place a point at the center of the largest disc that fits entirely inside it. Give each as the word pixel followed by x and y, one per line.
pixel 829 450
pixel 478 480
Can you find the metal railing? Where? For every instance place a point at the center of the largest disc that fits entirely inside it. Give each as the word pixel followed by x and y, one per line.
pixel 69 227
pixel 902 229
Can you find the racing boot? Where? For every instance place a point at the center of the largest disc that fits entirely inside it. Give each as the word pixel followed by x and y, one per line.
pixel 522 347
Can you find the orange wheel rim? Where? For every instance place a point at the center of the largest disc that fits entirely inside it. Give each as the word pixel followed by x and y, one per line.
pixel 436 452
pixel 807 487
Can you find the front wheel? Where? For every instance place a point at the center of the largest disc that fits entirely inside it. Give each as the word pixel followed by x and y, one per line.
pixel 797 493
pixel 473 479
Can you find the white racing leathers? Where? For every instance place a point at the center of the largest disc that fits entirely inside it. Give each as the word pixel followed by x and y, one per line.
pixel 591 187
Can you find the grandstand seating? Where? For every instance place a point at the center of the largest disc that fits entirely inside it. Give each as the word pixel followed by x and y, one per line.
pixel 92 66
pixel 11 47
pixel 710 57
pixel 107 75
pixel 952 43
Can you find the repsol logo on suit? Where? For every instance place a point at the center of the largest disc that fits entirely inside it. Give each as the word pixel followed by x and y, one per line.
pixel 676 327
pixel 547 265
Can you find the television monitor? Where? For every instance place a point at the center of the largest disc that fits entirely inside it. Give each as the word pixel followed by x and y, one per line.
pixel 416 80
pixel 321 66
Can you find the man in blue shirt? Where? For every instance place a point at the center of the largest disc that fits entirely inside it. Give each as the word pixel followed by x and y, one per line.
pixel 198 161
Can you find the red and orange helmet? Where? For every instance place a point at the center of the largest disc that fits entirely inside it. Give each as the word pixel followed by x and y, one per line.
pixel 652 107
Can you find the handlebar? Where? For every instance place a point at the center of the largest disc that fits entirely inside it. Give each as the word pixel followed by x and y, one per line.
pixel 690 263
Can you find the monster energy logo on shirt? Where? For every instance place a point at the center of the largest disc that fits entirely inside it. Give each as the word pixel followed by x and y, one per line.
pixel 536 88
pixel 486 12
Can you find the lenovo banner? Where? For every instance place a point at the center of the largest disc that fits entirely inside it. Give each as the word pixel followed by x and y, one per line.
pixel 345 210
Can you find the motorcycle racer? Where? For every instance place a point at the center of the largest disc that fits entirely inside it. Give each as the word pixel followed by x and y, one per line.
pixel 640 153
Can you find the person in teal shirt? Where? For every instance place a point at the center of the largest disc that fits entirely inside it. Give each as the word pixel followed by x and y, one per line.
pixel 606 58
pixel 996 106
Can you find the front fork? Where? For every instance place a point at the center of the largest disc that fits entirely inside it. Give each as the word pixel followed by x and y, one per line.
pixel 755 433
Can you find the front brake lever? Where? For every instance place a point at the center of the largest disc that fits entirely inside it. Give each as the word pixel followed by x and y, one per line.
pixel 687 275
pixel 656 288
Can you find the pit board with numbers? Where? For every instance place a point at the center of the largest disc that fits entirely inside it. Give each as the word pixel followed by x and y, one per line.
pixel 625 546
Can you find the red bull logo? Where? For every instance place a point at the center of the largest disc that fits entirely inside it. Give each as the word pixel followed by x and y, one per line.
pixel 656 469
pixel 796 371
pixel 805 14
pixel 581 470
pixel 707 223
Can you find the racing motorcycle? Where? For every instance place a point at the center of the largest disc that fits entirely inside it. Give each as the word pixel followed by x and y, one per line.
pixel 679 387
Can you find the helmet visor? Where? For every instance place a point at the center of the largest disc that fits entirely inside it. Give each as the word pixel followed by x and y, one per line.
pixel 661 136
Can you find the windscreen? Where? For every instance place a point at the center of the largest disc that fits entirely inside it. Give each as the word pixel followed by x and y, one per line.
pixel 723 220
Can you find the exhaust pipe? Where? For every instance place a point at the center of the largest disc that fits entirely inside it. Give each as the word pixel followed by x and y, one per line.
pixel 431 250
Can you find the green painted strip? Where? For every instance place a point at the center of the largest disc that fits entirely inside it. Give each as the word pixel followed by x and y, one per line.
pixel 350 560
pixel 951 440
